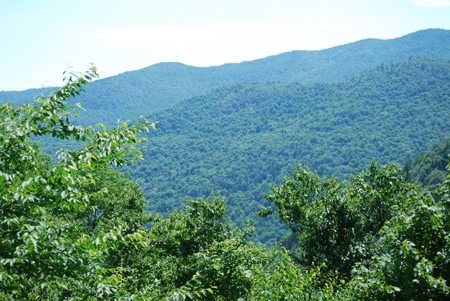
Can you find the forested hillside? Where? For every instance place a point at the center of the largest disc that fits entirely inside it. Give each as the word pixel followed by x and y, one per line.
pixel 132 94
pixel 428 168
pixel 240 138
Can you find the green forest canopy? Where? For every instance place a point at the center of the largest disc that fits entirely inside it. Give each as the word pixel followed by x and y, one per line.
pixel 429 168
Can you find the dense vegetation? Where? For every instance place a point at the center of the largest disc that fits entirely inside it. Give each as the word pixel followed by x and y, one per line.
pixel 240 138
pixel 428 169
pixel 386 239
pixel 76 229
pixel 132 94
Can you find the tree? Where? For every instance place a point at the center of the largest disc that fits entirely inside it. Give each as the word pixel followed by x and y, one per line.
pixel 389 239
pixel 41 249
pixel 414 263
pixel 338 223
pixel 193 252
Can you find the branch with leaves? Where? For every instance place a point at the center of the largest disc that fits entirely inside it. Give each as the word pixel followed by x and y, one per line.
pixel 39 245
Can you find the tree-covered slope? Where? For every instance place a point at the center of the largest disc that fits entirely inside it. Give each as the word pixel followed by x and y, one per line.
pixel 240 138
pixel 429 168
pixel 131 94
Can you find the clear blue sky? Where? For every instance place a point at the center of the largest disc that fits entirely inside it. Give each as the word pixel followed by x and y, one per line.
pixel 40 38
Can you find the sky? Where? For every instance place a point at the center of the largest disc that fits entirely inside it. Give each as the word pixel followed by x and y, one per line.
pixel 40 39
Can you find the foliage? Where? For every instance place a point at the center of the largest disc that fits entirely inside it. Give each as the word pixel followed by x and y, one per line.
pixel 76 229
pixel 43 249
pixel 337 223
pixel 283 279
pixel 389 240
pixel 193 246
pixel 415 260
pixel 428 168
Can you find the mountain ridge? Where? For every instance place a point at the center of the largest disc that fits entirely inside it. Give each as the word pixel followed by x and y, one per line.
pixel 134 93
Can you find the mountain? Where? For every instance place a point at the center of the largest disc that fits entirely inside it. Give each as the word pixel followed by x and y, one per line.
pixel 240 138
pixel 135 93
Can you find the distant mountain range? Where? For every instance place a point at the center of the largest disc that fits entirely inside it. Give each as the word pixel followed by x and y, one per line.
pixel 135 93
